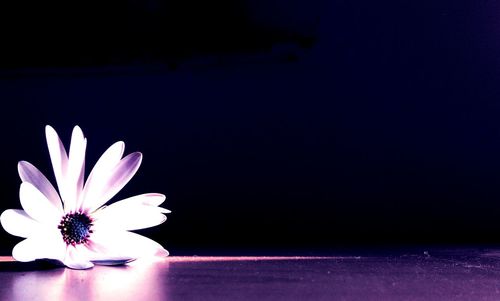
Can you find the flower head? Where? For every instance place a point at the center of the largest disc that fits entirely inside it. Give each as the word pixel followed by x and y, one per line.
pixel 73 225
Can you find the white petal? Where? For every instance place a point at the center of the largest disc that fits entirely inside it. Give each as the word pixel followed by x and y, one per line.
pixel 59 159
pixel 37 206
pixel 75 171
pixel 137 212
pixel 123 244
pixel 147 199
pixel 131 217
pixel 77 259
pixel 46 244
pixel 114 182
pixel 18 223
pixel 101 172
pixel 29 173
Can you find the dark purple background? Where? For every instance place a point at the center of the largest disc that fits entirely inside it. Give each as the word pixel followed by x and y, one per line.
pixel 270 125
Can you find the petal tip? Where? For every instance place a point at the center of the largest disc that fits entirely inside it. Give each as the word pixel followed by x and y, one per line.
pixel 22 162
pixel 49 130
pixel 154 199
pixel 77 131
pixel 21 165
pixel 137 155
pixel 120 145
pixel 162 253
pixel 2 217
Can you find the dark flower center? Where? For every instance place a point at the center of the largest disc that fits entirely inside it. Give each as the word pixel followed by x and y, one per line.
pixel 75 228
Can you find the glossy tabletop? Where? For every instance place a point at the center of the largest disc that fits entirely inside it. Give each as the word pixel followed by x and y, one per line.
pixel 458 275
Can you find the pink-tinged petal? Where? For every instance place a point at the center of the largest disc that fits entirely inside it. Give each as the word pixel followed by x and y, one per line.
pixel 101 172
pixel 123 244
pixel 29 173
pixel 37 206
pixel 132 217
pixel 122 174
pixel 117 178
pixel 77 258
pixel 75 170
pixel 18 223
pixel 45 244
pixel 59 159
pixel 150 199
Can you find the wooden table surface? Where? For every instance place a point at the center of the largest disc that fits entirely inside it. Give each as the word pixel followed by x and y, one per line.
pixel 459 275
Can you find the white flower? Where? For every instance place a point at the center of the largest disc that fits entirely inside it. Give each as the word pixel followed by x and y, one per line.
pixel 73 226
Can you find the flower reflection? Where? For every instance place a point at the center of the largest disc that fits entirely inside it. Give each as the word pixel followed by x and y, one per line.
pixel 144 280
